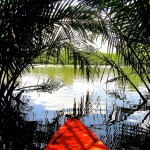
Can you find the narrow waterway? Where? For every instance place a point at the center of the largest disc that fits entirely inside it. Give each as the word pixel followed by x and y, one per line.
pixel 109 111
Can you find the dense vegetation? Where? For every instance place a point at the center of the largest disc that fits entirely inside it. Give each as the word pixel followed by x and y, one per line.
pixel 32 28
pixel 64 60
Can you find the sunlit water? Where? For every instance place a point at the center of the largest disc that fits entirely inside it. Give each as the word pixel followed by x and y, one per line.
pixel 105 105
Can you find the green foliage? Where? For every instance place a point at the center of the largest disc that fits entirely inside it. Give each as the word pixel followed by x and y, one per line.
pixel 128 28
pixel 29 28
pixel 64 59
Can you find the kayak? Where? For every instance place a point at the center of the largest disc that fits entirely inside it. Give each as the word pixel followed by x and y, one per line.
pixel 74 135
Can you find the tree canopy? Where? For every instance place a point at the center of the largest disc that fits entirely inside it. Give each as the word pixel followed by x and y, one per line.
pixel 128 31
pixel 30 27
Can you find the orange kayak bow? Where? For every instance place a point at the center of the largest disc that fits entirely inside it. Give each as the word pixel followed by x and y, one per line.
pixel 74 135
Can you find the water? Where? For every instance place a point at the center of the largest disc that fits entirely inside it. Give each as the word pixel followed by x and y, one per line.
pixel 110 112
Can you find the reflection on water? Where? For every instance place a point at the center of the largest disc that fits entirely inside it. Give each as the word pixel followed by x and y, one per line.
pixel 118 118
pixel 115 129
pixel 17 131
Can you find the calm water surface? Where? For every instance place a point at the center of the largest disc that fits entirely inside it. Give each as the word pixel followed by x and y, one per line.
pixel 110 111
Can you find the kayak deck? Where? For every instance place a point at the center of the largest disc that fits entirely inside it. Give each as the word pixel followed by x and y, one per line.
pixel 74 135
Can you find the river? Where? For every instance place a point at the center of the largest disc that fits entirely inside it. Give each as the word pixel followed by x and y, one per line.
pixel 107 109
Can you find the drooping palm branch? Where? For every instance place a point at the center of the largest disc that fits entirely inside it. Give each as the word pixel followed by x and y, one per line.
pixel 30 27
pixel 130 23
pixel 128 28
